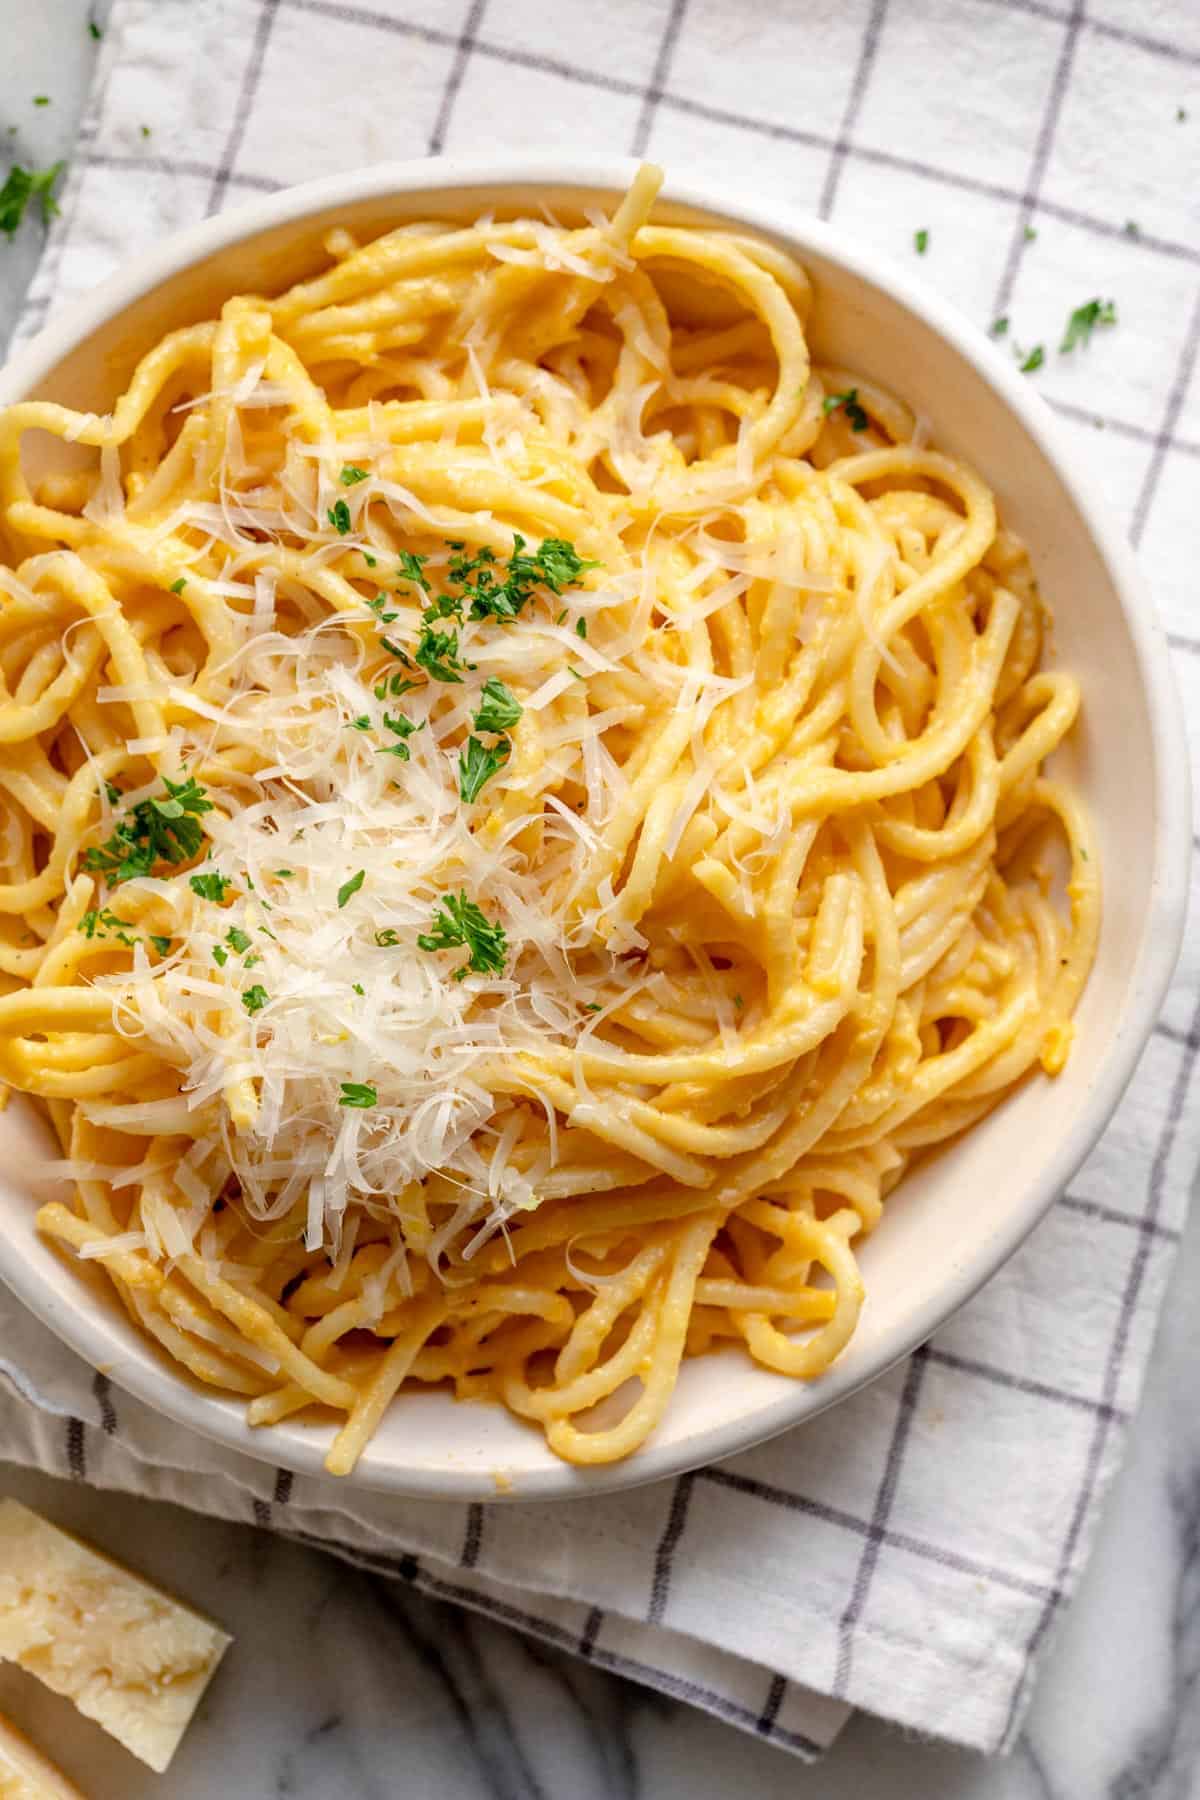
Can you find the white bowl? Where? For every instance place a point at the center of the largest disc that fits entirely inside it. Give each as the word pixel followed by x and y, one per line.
pixel 954 1221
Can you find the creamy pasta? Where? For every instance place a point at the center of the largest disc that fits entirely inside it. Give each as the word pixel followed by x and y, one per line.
pixel 524 811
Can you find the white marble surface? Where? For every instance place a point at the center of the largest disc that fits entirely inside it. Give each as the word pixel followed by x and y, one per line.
pixel 345 1687
pixel 47 49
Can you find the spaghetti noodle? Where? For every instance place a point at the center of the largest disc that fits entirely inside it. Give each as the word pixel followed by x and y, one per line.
pixel 524 811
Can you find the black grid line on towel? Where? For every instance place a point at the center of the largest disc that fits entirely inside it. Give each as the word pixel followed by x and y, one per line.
pixel 281 1494
pixel 869 1558
pixel 77 1449
pixel 1139 434
pixel 590 1632
pixel 1155 1190
pixel 1174 407
pixel 1111 1215
pixel 454 80
pixel 868 49
pixel 408 1568
pixel 472 1538
pixel 370 16
pixel 1103 28
pixel 244 103
pixel 1022 1384
pixel 662 66
pixel 102 1389
pixel 771 1705
pixel 1041 158
pixel 200 171
pixel 677 1513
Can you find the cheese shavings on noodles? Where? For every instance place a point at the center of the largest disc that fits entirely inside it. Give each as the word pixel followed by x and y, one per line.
pixel 522 816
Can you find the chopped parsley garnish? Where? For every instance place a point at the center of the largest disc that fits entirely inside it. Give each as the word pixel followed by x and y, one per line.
pixel 459 922
pixel 358 987
pixel 1132 228
pixel 500 709
pixel 461 566
pixel 437 653
pixel 1028 361
pixel 177 587
pixel 22 186
pixel 351 475
pixel 145 131
pixel 255 998
pixel 386 938
pixel 921 240
pixel 220 957
pixel 155 830
pixel 1180 114
pixel 237 939
pixel 209 886
pixel 1084 320
pixel 161 944
pixel 339 517
pixel 555 564
pixel 397 685
pixel 850 404
pixel 369 559
pixel 41 99
pixel 412 568
pixel 581 628
pixel 362 723
pixel 284 874
pixel 1030 234
pixel 485 590
pixel 358 1093
pixel 593 1006
pixel 446 606
pixel 477 763
pixel 95 30
pixel 998 327
pixel 403 728
pixel 113 792
pixel 349 888
pixel 98 923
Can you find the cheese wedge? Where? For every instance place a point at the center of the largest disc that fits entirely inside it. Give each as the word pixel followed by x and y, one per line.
pixel 24 1772
pixel 125 1653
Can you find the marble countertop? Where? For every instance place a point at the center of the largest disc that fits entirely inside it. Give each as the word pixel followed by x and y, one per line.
pixel 342 1686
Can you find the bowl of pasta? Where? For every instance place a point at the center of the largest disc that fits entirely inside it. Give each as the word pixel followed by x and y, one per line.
pixel 594 823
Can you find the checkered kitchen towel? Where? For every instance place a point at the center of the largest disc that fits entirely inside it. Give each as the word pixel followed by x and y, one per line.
pixel 864 1560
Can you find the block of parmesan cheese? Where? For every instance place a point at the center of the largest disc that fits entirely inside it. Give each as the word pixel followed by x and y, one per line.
pixel 127 1655
pixel 24 1772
